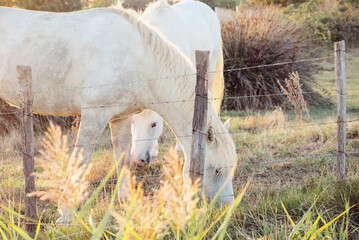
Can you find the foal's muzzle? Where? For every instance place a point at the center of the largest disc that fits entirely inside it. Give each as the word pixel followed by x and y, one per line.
pixel 143 160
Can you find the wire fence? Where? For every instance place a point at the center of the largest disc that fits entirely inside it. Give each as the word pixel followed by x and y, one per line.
pixel 237 166
pixel 192 100
pixel 293 159
pixel 180 76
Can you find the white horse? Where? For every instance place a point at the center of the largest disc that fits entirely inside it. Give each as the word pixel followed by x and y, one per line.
pixel 106 65
pixel 190 25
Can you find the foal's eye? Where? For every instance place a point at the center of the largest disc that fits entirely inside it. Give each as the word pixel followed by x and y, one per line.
pixel 154 124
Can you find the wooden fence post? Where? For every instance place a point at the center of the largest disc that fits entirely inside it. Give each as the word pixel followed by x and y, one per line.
pixel 340 80
pixel 199 136
pixel 27 132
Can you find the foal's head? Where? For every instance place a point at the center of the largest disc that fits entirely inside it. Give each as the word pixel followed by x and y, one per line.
pixel 146 128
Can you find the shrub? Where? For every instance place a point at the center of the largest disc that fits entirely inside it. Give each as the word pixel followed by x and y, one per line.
pixel 259 35
pixel 328 21
pixel 138 5
pixel 50 5
pixel 6 3
pixel 221 3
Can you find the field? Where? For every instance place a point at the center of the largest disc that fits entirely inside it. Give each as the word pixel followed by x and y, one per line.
pixel 286 169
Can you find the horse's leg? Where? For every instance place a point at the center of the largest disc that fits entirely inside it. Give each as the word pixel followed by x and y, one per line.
pixel 121 137
pixel 91 128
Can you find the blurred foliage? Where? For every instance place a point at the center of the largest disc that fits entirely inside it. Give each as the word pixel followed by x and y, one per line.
pixel 45 5
pixel 281 2
pixel 327 21
pixel 295 2
pixel 222 3
pixel 6 3
pixel 138 5
pixel 259 35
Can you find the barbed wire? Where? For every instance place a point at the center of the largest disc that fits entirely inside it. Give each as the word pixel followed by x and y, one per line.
pixel 185 75
pixel 254 130
pixel 240 165
pixel 224 98
pixel 278 188
pixel 9 112
pixel 275 64
pixel 352 54
pixel 180 101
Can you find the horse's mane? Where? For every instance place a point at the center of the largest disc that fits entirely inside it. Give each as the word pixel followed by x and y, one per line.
pixel 173 63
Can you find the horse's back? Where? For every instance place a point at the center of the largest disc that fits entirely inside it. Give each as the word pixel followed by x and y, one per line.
pixel 191 25
pixel 65 50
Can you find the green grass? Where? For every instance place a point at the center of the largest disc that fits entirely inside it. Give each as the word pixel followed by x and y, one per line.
pixel 326 80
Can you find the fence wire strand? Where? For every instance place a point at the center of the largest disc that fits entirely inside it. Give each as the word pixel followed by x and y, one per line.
pixel 187 75
pixel 240 165
pixel 255 130
pixel 192 100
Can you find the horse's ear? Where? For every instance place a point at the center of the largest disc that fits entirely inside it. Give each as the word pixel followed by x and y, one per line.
pixel 210 135
pixel 226 124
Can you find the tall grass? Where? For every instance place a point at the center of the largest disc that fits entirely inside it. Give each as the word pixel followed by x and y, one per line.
pixel 294 93
pixel 173 211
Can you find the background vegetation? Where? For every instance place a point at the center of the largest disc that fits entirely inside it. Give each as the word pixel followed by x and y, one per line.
pixel 259 35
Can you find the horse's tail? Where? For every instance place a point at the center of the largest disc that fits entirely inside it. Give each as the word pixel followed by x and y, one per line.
pixel 218 91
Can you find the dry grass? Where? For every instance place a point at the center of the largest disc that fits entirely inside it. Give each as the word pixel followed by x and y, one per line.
pixel 156 209
pixel 11 142
pixel 294 94
pixel 270 120
pixel 64 172
pixel 173 205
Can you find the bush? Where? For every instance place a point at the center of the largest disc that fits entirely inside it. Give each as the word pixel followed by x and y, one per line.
pixel 328 21
pixel 258 35
pixel 49 5
pixel 138 5
pixel 6 3
pixel 221 3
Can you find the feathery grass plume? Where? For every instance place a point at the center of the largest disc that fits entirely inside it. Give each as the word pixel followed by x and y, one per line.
pixel 139 215
pixel 179 195
pixel 62 171
pixel 172 208
pixel 294 94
